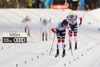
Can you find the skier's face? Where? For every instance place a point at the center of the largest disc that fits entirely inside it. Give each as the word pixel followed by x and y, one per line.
pixel 45 21
pixel 65 25
pixel 27 18
pixel 71 16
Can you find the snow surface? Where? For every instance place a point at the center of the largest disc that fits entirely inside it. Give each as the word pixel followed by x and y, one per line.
pixel 35 53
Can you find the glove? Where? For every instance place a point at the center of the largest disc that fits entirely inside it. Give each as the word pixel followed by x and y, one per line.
pixel 53 30
pixel 69 32
pixel 80 24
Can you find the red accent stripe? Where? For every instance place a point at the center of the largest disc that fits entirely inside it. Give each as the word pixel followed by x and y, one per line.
pixel 63 40
pixel 70 35
pixel 63 49
pixel 75 34
pixel 70 31
pixel 59 40
pixel 75 43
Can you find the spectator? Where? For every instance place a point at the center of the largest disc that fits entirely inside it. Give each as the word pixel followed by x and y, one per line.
pixel 37 4
pixel 47 3
pixel 42 3
pixel 70 3
pixel 90 4
pixel 82 4
pixel 74 4
pixel 51 4
pixel 33 3
pixel 95 4
pixel 55 1
pixel 86 5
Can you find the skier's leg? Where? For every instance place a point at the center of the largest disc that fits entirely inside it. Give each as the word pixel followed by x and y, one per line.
pixel 70 37
pixel 75 36
pixel 58 46
pixel 28 31
pixel 58 43
pixel 63 46
pixel 25 28
pixel 70 41
pixel 46 35
pixel 75 39
pixel 42 36
pixel 63 42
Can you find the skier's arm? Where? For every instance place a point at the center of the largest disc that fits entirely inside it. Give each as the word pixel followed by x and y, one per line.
pixel 80 19
pixel 54 29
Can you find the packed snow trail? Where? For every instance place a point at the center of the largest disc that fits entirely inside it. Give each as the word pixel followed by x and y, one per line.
pixel 35 53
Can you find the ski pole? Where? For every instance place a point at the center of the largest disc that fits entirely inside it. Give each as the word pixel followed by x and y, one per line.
pixel 40 27
pixel 49 27
pixel 52 44
pixel 83 15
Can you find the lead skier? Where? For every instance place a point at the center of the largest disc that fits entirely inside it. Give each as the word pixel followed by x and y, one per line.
pixel 60 31
pixel 26 22
pixel 72 20
pixel 45 24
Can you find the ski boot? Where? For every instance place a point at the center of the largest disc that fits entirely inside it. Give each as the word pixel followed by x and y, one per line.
pixel 29 34
pixel 57 53
pixel 42 39
pixel 46 39
pixel 75 47
pixel 63 53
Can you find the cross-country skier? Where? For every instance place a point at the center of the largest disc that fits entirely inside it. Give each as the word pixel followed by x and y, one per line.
pixel 60 31
pixel 45 24
pixel 72 20
pixel 26 21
